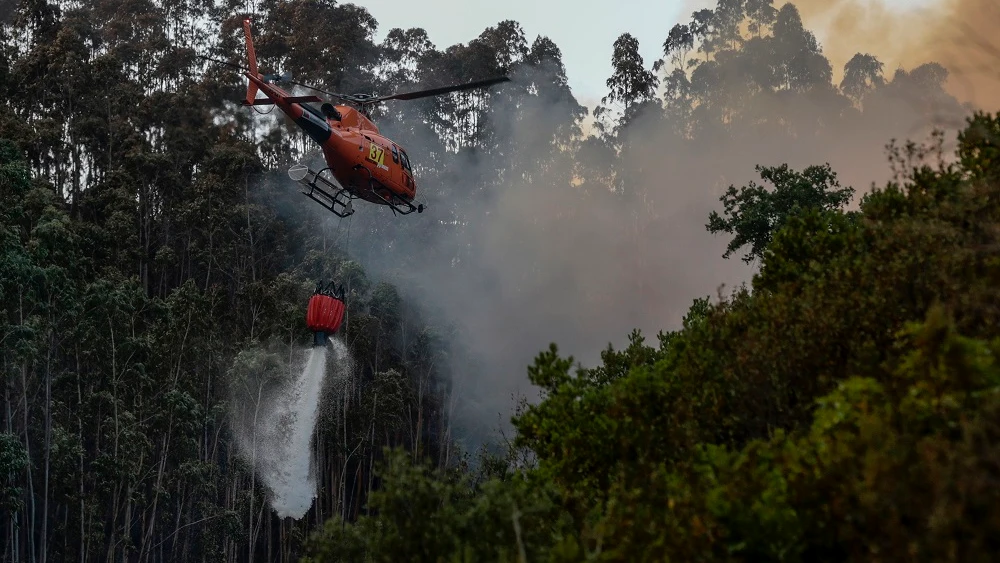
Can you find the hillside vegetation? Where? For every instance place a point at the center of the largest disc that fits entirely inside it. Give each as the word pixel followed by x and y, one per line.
pixel 842 406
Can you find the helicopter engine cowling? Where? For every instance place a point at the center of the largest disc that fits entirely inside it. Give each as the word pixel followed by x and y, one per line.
pixel 330 112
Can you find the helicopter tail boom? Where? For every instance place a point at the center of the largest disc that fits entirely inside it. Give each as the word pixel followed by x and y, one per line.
pixel 289 99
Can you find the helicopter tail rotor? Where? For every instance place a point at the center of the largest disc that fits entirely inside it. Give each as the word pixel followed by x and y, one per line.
pixel 283 77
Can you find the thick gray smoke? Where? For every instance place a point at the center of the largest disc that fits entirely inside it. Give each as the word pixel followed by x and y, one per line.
pixel 542 260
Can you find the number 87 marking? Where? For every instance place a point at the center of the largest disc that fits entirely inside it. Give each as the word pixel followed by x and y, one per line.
pixel 376 154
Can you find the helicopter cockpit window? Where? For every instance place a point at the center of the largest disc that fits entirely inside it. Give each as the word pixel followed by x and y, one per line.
pixel 405 160
pixel 395 154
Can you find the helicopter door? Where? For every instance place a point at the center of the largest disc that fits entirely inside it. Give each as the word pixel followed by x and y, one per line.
pixel 407 171
pixel 396 158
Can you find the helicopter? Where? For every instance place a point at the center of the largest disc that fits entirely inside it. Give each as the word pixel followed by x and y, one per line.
pixel 361 163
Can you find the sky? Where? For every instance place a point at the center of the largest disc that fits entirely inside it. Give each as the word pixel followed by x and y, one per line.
pixel 584 30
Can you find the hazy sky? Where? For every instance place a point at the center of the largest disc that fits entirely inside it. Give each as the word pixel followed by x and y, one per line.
pixel 584 30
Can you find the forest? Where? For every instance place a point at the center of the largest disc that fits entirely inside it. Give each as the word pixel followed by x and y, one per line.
pixel 833 404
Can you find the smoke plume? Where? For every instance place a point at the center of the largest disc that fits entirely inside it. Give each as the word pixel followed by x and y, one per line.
pixel 961 35
pixel 542 259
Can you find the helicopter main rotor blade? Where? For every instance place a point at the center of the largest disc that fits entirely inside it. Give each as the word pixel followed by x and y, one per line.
pixel 443 90
pixel 321 91
pixel 364 99
pixel 233 65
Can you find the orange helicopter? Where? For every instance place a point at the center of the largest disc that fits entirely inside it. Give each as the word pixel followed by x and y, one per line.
pixel 361 162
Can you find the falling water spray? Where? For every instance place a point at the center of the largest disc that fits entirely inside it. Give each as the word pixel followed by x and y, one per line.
pixel 274 419
pixel 293 485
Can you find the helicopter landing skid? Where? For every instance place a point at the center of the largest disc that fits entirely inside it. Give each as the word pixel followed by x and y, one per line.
pixel 339 199
pixel 392 203
pixel 395 203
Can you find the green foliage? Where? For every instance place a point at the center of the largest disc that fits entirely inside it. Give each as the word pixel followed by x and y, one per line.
pixel 899 403
pixel 13 459
pixel 979 148
pixel 154 270
pixel 861 74
pixel 753 214
pixel 431 515
pixel 630 85
pixel 802 250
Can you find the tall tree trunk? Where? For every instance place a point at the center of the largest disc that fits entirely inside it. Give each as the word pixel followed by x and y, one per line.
pixel 148 534
pixel 48 448
pixel 27 450
pixel 252 253
pixel 13 522
pixel 79 424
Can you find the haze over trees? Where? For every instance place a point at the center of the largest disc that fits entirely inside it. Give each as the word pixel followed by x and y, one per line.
pixel 841 404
